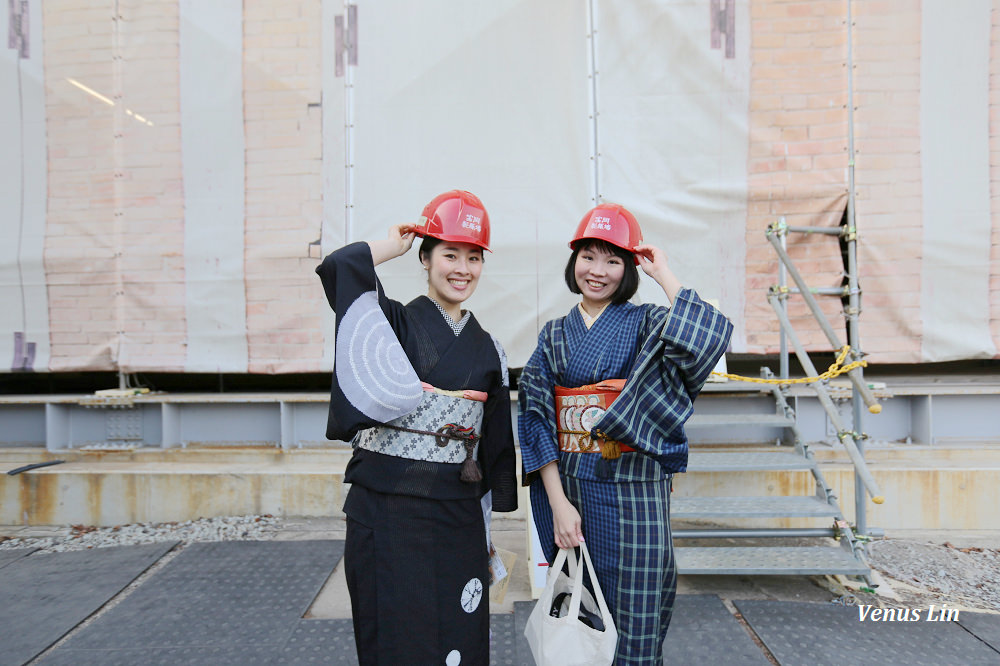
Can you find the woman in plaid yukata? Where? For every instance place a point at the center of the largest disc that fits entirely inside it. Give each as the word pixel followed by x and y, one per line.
pixel 613 484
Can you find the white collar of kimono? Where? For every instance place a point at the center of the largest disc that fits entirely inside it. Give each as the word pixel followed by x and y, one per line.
pixel 456 326
pixel 588 321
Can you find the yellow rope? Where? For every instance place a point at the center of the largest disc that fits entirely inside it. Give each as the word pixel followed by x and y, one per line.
pixel 833 371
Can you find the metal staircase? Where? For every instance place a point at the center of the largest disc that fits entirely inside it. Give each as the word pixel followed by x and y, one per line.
pixel 847 558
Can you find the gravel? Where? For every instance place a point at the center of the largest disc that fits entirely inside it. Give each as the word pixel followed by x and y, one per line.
pixel 82 537
pixel 924 573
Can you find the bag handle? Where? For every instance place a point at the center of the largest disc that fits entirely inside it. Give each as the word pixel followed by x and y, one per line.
pixel 577 590
pixel 554 570
pixel 574 603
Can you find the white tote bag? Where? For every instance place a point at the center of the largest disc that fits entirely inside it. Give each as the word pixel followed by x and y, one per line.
pixel 561 628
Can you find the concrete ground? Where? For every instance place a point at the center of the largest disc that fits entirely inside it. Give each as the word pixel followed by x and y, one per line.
pixel 333 601
pixel 746 619
pixel 509 534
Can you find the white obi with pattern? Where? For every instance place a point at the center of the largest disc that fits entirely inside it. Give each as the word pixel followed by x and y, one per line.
pixel 433 413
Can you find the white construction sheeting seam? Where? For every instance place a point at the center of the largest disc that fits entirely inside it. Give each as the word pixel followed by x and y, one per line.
pixel 675 136
pixel 492 99
pixel 24 317
pixel 212 138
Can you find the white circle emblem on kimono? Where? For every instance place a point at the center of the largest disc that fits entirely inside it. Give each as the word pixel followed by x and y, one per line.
pixel 454 658
pixel 372 368
pixel 590 417
pixel 472 594
pixel 563 420
pixel 574 419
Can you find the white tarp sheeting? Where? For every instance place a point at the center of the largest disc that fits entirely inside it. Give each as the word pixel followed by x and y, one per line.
pixel 512 119
pixel 273 133
pixel 24 320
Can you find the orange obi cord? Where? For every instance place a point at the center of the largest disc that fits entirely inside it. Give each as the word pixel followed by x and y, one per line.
pixel 468 394
pixel 577 412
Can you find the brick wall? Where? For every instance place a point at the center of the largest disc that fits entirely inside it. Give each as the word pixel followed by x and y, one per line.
pixel 79 256
pixel 114 241
pixel 282 83
pixel 115 235
pixel 152 262
pixel 797 157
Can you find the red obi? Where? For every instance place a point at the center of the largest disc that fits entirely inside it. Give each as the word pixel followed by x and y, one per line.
pixel 577 412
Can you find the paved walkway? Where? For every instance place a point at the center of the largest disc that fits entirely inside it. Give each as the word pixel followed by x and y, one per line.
pixel 284 602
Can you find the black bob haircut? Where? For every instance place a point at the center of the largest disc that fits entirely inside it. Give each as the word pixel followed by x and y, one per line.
pixel 427 246
pixel 630 279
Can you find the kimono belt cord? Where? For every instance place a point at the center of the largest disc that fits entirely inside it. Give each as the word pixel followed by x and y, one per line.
pixel 443 434
pixel 470 471
pixel 610 449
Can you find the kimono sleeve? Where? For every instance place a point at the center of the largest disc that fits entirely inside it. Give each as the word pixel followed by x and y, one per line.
pixel 679 348
pixel 695 335
pixel 348 273
pixel 536 417
pixel 498 458
pixel 364 391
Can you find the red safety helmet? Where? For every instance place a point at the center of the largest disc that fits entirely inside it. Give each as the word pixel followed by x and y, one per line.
pixel 457 216
pixel 611 223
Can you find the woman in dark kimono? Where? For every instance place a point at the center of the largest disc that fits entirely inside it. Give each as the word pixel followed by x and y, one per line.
pixel 600 458
pixel 421 391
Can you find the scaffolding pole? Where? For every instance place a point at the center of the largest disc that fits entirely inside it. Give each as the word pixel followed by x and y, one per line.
pixel 854 292
pixel 783 340
pixel 865 480
pixel 774 234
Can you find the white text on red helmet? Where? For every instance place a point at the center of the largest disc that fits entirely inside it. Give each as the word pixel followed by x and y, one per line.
pixel 601 223
pixel 472 222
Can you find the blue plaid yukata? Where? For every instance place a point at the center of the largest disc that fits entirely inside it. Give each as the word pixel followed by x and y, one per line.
pixel 666 355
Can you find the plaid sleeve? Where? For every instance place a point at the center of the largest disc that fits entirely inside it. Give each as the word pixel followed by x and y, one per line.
pixel 536 413
pixel 681 346
pixel 695 336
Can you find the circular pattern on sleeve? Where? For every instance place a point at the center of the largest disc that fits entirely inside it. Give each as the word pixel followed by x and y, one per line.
pixel 371 367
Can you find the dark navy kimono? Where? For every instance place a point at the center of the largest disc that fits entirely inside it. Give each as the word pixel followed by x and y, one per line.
pixel 415 559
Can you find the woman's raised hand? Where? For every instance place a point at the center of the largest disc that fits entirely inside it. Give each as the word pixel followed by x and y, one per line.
pixel 396 243
pixel 402 235
pixel 653 262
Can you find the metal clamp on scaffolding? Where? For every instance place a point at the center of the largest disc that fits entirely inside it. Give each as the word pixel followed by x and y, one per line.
pixel 851 311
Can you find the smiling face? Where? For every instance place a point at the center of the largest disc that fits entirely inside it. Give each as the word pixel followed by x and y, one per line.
pixel 598 274
pixel 453 271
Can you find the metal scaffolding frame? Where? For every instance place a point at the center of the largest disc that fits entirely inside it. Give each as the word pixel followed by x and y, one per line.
pixel 853 439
